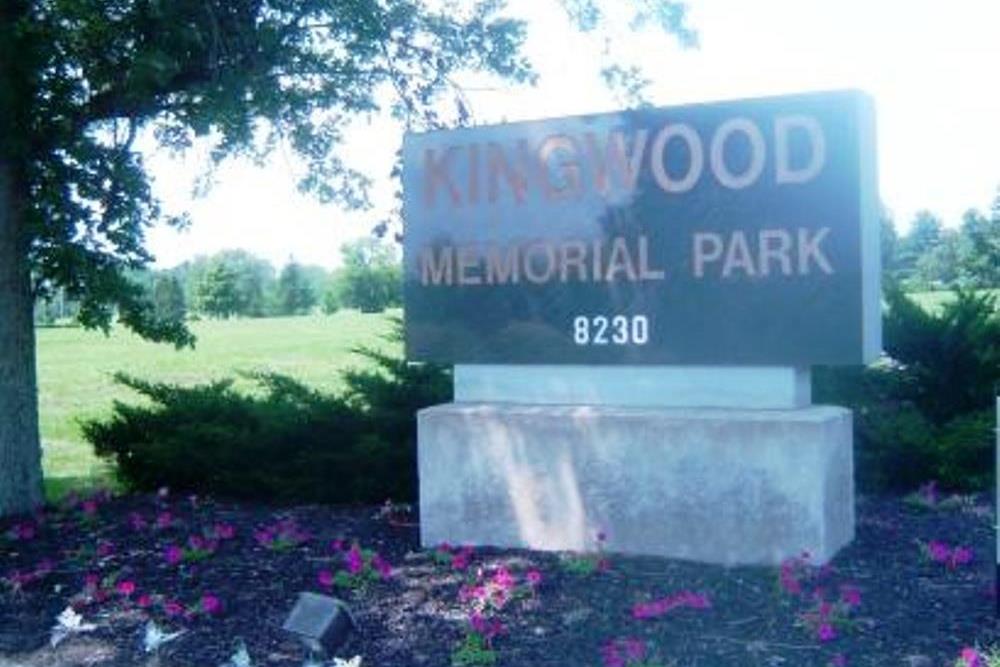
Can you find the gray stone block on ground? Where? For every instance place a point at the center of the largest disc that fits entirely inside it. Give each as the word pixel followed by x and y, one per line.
pixel 731 486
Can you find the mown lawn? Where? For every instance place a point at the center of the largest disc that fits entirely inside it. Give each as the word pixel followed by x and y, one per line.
pixel 933 300
pixel 76 368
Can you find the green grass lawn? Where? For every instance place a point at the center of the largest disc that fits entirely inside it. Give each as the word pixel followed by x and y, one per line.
pixel 933 300
pixel 75 369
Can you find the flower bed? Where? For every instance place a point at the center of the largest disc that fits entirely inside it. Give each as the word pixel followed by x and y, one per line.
pixel 916 585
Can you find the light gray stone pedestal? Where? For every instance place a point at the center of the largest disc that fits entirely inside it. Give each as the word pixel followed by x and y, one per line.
pixel 732 486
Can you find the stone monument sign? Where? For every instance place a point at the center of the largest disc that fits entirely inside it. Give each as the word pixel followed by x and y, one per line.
pixel 632 302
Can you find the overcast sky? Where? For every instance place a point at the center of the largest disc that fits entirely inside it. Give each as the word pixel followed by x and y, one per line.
pixel 931 67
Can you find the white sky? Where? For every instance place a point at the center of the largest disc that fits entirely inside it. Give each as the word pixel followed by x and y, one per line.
pixel 931 66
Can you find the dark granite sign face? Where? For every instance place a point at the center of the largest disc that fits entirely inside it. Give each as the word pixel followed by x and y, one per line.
pixel 736 233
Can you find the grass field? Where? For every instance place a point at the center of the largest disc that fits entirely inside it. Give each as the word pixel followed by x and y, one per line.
pixel 75 369
pixel 932 301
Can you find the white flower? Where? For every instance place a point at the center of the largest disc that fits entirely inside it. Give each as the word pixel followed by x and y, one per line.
pixel 240 657
pixel 67 623
pixel 353 662
pixel 155 637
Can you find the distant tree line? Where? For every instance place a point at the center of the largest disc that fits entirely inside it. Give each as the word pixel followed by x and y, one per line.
pixel 235 283
pixel 931 256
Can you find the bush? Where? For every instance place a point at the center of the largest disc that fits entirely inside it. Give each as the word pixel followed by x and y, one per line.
pixel 285 442
pixel 927 412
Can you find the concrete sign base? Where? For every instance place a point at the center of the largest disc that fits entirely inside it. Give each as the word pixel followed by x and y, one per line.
pixel 725 485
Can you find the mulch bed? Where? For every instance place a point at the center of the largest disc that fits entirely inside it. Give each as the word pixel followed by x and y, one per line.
pixel 912 611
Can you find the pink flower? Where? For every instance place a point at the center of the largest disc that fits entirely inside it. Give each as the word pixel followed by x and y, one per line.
pixel 610 655
pixel 635 649
pixel 337 545
pixel 939 552
pixel 477 622
pixel 325 578
pixel 173 554
pixel 970 657
pixel 961 556
pixel 224 531
pixel 173 608
pixel 503 579
pixel 381 566
pixel 471 593
pixel 22 531
pixel 850 595
pixel 657 608
pixel 355 561
pixel 534 577
pixel 211 604
pixel 825 632
pixel 144 601
pixel 125 588
pixel 459 561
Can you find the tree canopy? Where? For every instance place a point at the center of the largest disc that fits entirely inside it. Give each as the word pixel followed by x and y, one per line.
pixel 247 75
pixel 82 80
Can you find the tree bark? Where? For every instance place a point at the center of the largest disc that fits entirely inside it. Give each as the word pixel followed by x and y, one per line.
pixel 20 448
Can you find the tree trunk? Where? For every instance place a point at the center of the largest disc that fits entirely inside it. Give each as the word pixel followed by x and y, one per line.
pixel 20 449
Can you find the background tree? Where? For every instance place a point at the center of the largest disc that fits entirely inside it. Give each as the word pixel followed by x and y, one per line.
pixel 981 259
pixel 940 265
pixel 219 291
pixel 80 80
pixel 924 234
pixel 168 299
pixel 295 295
pixel 372 278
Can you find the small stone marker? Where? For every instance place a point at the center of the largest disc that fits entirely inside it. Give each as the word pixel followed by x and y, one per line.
pixel 322 623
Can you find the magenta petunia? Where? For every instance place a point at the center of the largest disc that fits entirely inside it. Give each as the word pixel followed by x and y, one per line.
pixel 970 657
pixel 325 578
pixel 125 588
pixel 224 531
pixel 634 649
pixel 939 552
pixel 826 632
pixel 961 556
pixel 211 604
pixel 381 566
pixel 850 595
pixel 143 601
pixel 354 560
pixel 173 554
pixel 534 577
pixel 173 608
pixel 503 579
pixel 136 521
pixel 24 531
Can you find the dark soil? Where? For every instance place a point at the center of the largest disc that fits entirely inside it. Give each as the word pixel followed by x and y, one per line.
pixel 913 611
